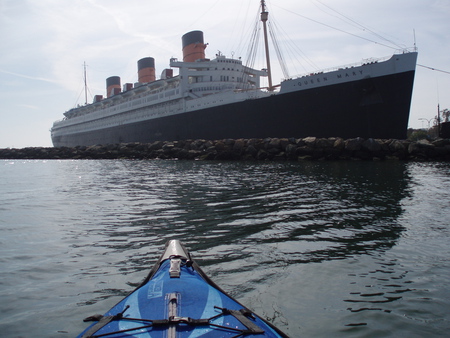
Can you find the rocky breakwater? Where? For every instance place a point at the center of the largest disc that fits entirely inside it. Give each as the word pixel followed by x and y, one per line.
pixel 272 149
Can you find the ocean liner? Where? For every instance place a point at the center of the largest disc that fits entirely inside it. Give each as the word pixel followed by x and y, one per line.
pixel 222 98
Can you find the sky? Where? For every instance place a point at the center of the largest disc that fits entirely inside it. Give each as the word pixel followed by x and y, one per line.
pixel 45 43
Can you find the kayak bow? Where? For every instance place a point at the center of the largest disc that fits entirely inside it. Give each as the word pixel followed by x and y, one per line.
pixel 177 299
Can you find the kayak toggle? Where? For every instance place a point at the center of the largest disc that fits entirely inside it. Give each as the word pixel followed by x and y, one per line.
pixel 176 262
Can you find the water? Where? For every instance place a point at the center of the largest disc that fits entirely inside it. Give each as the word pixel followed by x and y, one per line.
pixel 342 249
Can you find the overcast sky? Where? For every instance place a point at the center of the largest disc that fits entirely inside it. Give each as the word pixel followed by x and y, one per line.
pixel 44 44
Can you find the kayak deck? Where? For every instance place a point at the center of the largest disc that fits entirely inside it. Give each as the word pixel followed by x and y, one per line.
pixel 178 300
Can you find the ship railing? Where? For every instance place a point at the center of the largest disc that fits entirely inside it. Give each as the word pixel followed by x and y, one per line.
pixel 109 102
pixel 406 50
pixel 364 62
pixel 57 121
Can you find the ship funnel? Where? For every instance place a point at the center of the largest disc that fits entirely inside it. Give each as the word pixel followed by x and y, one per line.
pixel 112 86
pixel 146 70
pixel 193 46
pixel 167 74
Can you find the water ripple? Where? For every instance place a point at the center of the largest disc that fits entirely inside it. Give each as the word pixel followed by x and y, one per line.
pixel 319 248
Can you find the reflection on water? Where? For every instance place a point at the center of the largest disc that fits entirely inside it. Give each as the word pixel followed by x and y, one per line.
pixel 332 210
pixel 307 245
pixel 253 217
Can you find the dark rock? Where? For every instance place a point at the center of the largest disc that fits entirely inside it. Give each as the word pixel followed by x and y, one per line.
pixel 441 142
pixel 353 144
pixel 273 143
pixel 371 145
pixel 262 155
pixel 339 144
pixel 279 157
pixel 310 141
pixel 239 146
pixel 291 151
pixel 299 142
pixel 323 143
pixel 284 143
pixel 208 156
pixel 168 147
pixel 399 149
pixel 251 150
pixel 220 146
pixel 420 148
pixel 304 151
pixel 277 149
pixel 226 155
pixel 156 145
pixel 197 144
pixel 332 153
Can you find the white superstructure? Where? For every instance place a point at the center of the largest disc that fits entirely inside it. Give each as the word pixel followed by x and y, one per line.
pixel 200 84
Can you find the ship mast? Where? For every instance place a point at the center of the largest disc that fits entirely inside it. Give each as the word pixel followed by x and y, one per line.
pixel 85 83
pixel 264 17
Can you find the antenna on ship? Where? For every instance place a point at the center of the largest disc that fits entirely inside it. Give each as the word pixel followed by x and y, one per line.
pixel 85 83
pixel 264 17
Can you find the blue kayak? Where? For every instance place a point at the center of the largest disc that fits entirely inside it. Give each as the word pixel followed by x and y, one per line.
pixel 177 299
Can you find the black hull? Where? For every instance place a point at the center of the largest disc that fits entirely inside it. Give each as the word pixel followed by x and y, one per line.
pixel 370 108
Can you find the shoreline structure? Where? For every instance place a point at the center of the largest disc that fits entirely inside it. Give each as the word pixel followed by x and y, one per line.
pixel 268 149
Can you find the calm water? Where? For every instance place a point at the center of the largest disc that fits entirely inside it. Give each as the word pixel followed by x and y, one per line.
pixel 321 249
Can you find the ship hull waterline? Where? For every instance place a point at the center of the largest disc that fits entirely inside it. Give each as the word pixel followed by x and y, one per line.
pixel 370 108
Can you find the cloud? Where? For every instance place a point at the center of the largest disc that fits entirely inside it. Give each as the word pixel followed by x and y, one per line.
pixel 28 106
pixel 48 41
pixel 36 78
